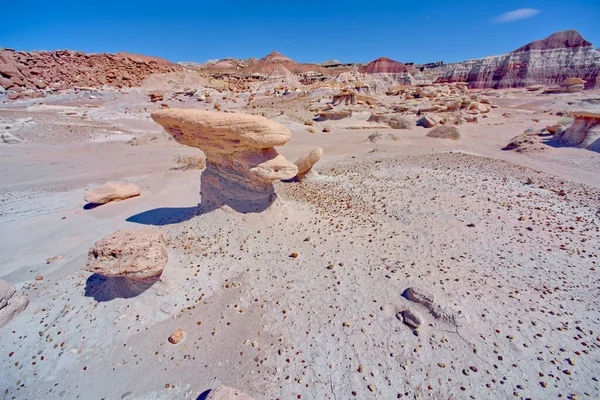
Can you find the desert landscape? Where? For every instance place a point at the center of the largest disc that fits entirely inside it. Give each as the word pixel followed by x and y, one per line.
pixel 268 229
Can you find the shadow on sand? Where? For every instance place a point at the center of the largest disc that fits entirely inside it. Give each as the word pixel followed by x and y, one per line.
pixel 204 395
pixel 91 206
pixel 165 215
pixel 103 288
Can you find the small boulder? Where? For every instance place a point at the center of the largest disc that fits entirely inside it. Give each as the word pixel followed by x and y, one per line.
pixel 156 96
pixel 176 336
pixel 307 161
pixel 428 121
pixel 12 303
pixel 138 254
pixel 412 318
pixel 111 191
pixel 553 128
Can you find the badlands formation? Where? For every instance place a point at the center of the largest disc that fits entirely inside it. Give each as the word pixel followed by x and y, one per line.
pixel 266 229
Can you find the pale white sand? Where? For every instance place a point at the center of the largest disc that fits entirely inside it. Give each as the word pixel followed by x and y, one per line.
pixel 520 294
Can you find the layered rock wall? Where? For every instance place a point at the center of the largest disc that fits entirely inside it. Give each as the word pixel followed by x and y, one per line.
pixel 550 61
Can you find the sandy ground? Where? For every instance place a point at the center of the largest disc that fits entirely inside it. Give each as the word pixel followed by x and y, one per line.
pixel 507 243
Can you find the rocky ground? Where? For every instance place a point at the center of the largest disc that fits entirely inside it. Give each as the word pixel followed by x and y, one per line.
pixel 305 300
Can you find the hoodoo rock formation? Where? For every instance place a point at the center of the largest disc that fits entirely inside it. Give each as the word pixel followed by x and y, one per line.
pixel 550 61
pixel 241 163
pixel 584 132
pixel 37 71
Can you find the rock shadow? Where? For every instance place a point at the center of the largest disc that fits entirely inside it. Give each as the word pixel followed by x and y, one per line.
pixel 165 215
pixel 91 206
pixel 103 288
pixel 204 395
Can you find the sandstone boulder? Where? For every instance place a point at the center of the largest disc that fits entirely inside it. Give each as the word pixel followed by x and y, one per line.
pixel 111 191
pixel 138 254
pixel 241 162
pixel 306 162
pixel 428 121
pixel 227 393
pixel 8 138
pixel 12 303
pixel 176 336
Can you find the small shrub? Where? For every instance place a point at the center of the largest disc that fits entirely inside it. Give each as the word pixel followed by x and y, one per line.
pixel 189 162
pixel 400 122
pixel 444 132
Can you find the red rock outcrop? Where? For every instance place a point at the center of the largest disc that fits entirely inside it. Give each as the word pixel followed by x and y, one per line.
pixel 66 69
pixel 549 61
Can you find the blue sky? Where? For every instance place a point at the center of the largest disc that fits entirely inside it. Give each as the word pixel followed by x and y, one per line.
pixel 308 31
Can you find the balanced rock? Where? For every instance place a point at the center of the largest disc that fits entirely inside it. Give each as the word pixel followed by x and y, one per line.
pixel 138 254
pixel 306 162
pixel 584 132
pixel 227 393
pixel 12 303
pixel 241 163
pixel 111 191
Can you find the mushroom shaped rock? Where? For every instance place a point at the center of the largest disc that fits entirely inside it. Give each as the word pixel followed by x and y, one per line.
pixel 241 163
pixel 584 132
pixel 227 393
pixel 138 254
pixel 111 191
pixel 12 303
pixel 307 161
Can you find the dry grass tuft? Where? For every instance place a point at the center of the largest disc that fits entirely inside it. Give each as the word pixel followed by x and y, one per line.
pixel 190 162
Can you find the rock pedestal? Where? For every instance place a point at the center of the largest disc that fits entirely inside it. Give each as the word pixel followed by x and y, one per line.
pixel 241 163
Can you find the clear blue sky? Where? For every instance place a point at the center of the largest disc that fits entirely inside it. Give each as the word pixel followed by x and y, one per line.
pixel 349 31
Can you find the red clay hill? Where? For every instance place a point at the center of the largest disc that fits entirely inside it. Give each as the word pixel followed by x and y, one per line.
pixel 384 65
pixel 269 63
